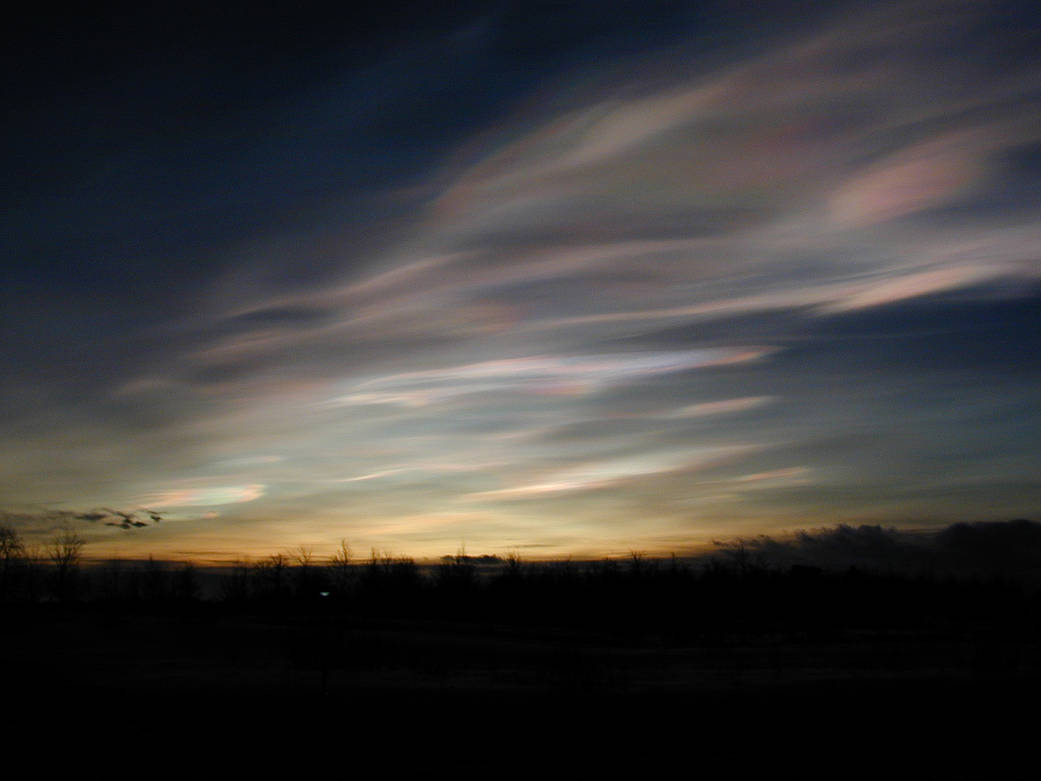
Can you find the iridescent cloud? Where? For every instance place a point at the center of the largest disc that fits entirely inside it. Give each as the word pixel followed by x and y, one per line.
pixel 207 496
pixel 563 318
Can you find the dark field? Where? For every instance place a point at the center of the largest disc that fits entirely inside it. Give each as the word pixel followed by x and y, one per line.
pixel 213 651
pixel 647 630
pixel 838 671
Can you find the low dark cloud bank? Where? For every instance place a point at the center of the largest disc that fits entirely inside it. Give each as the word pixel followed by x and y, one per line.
pixel 1000 549
pixel 47 521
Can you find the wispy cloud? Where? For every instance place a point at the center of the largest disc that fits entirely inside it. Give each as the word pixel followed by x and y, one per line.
pixel 614 278
pixel 543 374
pixel 206 496
pixel 614 472
pixel 722 407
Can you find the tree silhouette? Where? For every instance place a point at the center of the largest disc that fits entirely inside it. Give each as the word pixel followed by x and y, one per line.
pixel 341 564
pixel 12 551
pixel 309 579
pixel 64 552
pixel 271 575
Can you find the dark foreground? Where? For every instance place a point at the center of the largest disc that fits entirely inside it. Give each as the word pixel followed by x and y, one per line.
pixel 724 657
pixel 207 650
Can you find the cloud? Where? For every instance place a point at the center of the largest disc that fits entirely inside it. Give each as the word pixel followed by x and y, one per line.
pixel 206 496
pixel 791 475
pixel 40 521
pixel 917 178
pixel 93 516
pixel 553 375
pixel 911 285
pixel 609 473
pixel 371 475
pixel 693 192
pixel 1009 548
pixel 1003 548
pixel 576 280
pixel 721 407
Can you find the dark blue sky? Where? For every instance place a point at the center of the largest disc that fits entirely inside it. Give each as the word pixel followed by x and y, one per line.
pixel 575 278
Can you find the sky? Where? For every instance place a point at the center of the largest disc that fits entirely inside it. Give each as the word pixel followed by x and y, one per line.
pixel 555 279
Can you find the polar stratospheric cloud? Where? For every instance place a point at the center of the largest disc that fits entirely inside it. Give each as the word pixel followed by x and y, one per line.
pixel 569 282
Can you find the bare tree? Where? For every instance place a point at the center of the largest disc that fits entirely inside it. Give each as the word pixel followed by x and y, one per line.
pixel 342 556
pixel 12 552
pixel 514 566
pixel 11 546
pixel 271 575
pixel 306 579
pixel 341 564
pixel 64 552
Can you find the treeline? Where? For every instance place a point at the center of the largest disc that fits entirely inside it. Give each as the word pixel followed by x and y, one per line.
pixel 55 572
pixel 33 572
pixel 642 597
pixel 668 598
pixel 677 601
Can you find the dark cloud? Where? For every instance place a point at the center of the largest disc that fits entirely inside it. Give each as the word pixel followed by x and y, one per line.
pixel 129 520
pixel 93 516
pixel 990 549
pixel 1013 547
pixel 39 521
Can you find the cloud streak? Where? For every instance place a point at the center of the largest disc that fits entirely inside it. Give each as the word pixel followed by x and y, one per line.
pixel 541 375
pixel 486 279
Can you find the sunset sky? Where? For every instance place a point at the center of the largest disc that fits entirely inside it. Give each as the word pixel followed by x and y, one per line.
pixel 547 278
